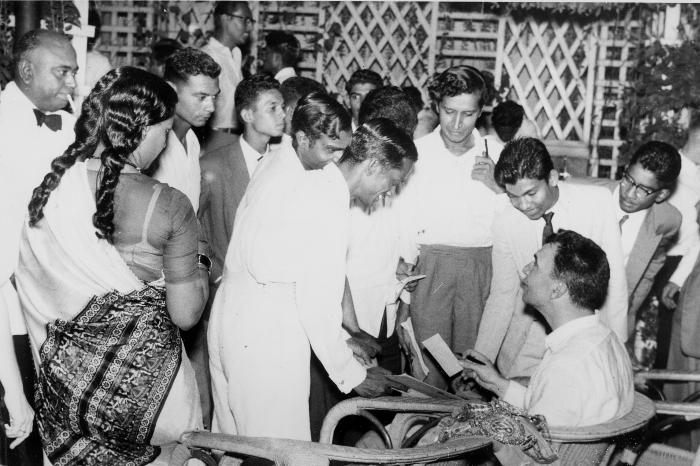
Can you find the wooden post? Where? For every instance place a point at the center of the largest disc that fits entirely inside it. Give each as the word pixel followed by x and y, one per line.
pixel 80 36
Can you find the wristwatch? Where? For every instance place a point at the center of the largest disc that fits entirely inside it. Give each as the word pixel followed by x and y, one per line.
pixel 204 261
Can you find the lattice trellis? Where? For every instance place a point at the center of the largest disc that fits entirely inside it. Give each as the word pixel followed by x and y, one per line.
pixel 391 38
pixel 549 64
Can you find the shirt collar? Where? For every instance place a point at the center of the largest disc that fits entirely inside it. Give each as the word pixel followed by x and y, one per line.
pixel 285 73
pixel 478 141
pixel 561 336
pixel 215 44
pixel 13 94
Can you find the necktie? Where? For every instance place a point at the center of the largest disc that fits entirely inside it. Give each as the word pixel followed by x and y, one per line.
pixel 52 121
pixel 623 220
pixel 548 229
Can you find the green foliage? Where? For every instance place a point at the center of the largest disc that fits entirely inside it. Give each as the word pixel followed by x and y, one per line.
pixel 666 80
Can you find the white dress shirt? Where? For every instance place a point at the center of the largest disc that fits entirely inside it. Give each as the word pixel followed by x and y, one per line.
pixel 285 73
pixel 251 156
pixel 373 254
pixel 230 61
pixel 26 152
pixel 630 227
pixel 281 290
pixel 179 166
pixel 584 209
pixel 684 198
pixel 585 377
pixel 441 203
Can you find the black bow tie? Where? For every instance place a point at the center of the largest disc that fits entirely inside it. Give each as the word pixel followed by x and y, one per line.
pixel 52 121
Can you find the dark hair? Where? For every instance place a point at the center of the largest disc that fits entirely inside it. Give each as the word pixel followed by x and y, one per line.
pixel 161 50
pixel 415 97
pixel 317 114
pixel 363 76
pixel 523 158
pixel 461 79
pixel 296 87
pixel 189 62
pixel 391 103
pixel 225 7
pixel 286 44
pixel 506 119
pixel 248 91
pixel 660 158
pixel 123 103
pixel 381 139
pixel 95 20
pixel 582 265
pixel 31 41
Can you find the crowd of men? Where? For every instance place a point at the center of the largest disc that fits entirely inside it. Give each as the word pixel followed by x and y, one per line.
pixel 314 212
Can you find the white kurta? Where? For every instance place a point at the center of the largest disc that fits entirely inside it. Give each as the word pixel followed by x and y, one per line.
pixel 179 166
pixel 26 152
pixel 281 289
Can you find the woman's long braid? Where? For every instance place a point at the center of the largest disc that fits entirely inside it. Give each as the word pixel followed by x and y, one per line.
pixel 87 136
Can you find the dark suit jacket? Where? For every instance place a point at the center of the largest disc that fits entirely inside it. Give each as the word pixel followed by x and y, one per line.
pixel 224 181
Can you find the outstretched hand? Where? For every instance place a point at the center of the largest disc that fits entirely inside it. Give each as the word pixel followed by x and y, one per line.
pixel 484 373
pixel 377 384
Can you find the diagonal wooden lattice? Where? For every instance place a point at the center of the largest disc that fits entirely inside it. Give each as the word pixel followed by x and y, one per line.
pixel 550 75
pixel 392 38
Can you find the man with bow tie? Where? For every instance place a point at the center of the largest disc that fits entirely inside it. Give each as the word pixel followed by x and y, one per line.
pixel 34 129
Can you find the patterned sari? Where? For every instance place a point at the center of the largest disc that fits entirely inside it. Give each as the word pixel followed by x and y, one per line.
pixel 114 365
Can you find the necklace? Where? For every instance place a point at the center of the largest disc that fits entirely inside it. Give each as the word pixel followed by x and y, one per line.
pixel 130 163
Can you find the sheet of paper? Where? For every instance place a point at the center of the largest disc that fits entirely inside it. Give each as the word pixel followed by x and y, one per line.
pixel 443 355
pixel 401 285
pixel 422 387
pixel 415 349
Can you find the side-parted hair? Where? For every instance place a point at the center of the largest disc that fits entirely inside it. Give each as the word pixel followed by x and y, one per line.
pixel 286 44
pixel 296 87
pixel 523 158
pixel 363 76
pixel 318 113
pixel 583 267
pixel 380 139
pixel 392 103
pixel 506 119
pixel 249 90
pixel 457 80
pixel 660 158
pixel 188 62
pixel 31 41
pixel 121 106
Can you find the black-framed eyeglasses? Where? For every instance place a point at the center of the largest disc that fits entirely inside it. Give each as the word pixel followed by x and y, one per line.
pixel 639 189
pixel 246 19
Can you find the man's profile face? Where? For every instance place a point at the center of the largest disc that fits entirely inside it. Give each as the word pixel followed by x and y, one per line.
pixel 646 192
pixel 52 80
pixel 272 61
pixel 196 99
pixel 317 154
pixel 458 115
pixel 267 114
pixel 240 24
pixel 378 180
pixel 537 281
pixel 533 197
pixel 358 92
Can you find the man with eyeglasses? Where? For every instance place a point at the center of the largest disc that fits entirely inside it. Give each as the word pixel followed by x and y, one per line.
pixel 233 22
pixel 509 333
pixel 648 223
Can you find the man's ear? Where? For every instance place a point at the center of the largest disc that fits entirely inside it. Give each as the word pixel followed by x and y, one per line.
pixel 247 115
pixel 559 289
pixel 373 167
pixel 25 70
pixel 553 178
pixel 302 140
pixel 662 195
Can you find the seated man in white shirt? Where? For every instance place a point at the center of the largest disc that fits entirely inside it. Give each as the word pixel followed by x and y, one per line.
pixel 280 55
pixel 195 77
pixel 585 377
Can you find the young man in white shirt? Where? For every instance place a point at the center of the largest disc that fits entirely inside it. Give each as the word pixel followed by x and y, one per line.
pixel 285 272
pixel 360 84
pixel 233 22
pixel 446 210
pixel 509 333
pixel 195 77
pixel 280 55
pixel 585 377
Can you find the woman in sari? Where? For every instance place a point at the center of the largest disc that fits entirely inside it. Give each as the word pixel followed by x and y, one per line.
pixel 108 271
